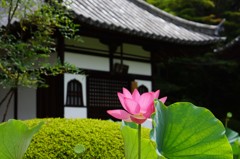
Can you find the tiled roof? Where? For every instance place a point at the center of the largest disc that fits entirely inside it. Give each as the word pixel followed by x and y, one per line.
pixel 231 50
pixel 234 43
pixel 139 18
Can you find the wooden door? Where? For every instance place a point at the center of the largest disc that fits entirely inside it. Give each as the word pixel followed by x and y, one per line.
pixel 50 100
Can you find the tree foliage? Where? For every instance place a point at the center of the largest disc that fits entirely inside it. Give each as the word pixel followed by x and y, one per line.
pixel 26 45
pixel 196 10
pixel 230 10
pixel 28 40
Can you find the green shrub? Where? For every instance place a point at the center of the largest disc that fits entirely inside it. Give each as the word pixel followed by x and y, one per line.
pixel 58 136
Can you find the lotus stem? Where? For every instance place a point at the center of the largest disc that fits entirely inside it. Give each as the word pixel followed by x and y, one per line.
pixel 139 141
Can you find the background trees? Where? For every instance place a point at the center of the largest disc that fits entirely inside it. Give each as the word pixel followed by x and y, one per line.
pixel 206 11
pixel 230 10
pixel 196 10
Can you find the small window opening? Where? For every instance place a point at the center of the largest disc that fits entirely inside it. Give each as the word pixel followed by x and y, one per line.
pixel 142 89
pixel 74 93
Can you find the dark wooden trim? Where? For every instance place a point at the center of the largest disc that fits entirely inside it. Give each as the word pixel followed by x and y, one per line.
pixel 151 45
pixel 112 49
pixel 153 73
pixel 60 46
pixel 84 52
pixel 50 101
pixel 119 76
pixel 105 55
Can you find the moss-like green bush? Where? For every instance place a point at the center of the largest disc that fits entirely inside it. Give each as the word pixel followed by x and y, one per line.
pixel 58 136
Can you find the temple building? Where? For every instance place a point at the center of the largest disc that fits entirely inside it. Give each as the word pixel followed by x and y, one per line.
pixel 123 42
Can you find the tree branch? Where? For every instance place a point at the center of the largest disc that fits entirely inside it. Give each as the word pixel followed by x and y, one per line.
pixel 8 104
pixel 15 8
pixel 5 97
pixel 11 12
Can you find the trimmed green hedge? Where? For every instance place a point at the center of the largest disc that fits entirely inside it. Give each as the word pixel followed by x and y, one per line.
pixel 58 136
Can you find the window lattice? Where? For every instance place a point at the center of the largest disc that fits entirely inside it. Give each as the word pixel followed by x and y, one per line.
pixel 103 92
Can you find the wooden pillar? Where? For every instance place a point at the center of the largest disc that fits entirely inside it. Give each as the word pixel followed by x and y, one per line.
pixel 50 101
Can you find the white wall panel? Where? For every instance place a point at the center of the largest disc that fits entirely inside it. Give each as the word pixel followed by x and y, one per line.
pixel 135 67
pixel 26 104
pixel 27 107
pixel 87 61
pixel 146 83
pixel 73 112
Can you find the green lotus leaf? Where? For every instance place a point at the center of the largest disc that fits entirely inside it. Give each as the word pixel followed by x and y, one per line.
pixel 231 135
pixel 185 131
pixel 234 140
pixel 15 138
pixel 79 148
pixel 236 148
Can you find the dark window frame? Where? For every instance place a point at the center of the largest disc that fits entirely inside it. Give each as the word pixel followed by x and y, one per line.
pixel 142 89
pixel 74 94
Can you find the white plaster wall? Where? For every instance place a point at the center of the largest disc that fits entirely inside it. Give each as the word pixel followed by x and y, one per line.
pixel 87 61
pixel 146 83
pixel 75 112
pixel 147 123
pixel 135 67
pixel 10 113
pixel 27 106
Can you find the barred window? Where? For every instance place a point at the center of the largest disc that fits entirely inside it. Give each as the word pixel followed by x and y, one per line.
pixel 142 89
pixel 74 93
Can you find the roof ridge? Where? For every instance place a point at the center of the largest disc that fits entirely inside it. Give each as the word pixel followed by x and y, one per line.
pixel 194 26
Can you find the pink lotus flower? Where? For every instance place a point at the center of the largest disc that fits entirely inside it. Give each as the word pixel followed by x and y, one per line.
pixel 137 107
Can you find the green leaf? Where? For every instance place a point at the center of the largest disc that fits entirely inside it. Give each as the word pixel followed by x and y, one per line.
pixel 15 138
pixel 236 147
pixel 130 137
pixel 4 3
pixel 185 131
pixel 231 135
pixel 79 149
pixel 130 124
pixel 234 140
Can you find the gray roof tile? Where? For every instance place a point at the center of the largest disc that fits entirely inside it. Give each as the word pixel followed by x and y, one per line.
pixel 139 18
pixel 234 43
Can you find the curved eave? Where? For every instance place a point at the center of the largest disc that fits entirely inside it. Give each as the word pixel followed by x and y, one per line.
pixel 208 39
pixel 234 43
pixel 194 26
